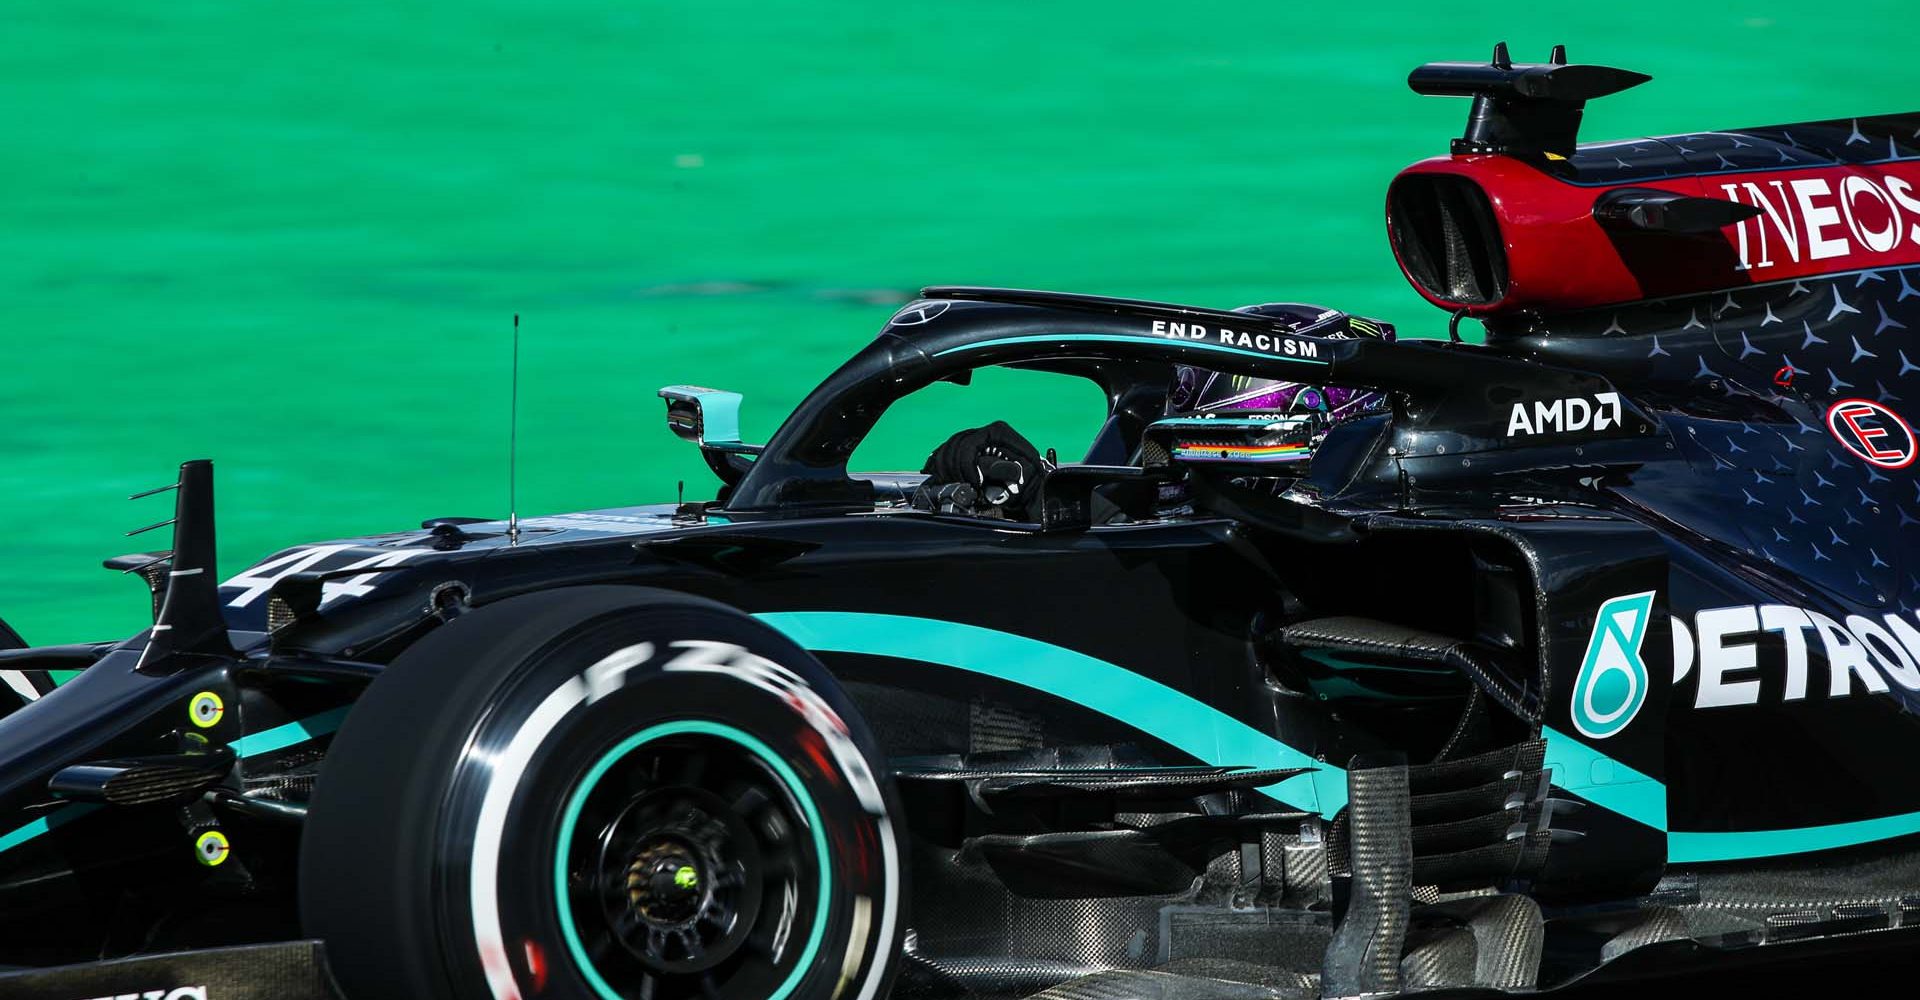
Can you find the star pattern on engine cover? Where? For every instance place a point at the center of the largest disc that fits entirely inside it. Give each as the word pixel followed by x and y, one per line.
pixel 1761 370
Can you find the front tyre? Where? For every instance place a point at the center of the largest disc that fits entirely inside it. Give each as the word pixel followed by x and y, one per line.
pixel 605 793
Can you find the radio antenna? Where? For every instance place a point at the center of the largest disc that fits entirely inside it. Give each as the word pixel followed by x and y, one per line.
pixel 513 440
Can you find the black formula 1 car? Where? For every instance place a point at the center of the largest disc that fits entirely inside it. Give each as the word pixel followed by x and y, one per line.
pixel 1341 666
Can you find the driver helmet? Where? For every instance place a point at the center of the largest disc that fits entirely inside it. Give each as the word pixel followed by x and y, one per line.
pixel 1201 390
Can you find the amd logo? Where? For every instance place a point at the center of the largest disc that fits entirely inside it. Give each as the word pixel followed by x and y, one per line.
pixel 1564 416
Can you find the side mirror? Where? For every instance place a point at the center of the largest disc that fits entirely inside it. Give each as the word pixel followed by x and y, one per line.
pixel 710 418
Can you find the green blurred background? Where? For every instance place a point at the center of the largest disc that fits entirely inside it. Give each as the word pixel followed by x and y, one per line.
pixel 290 236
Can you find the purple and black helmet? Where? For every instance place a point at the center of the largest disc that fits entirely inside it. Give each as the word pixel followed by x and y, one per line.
pixel 1199 390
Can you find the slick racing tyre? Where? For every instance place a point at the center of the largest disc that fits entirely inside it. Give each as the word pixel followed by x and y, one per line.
pixel 604 793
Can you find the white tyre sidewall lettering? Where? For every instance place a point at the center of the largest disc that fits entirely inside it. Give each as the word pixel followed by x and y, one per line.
pixel 771 677
pixel 508 770
pixel 702 656
pixel 490 830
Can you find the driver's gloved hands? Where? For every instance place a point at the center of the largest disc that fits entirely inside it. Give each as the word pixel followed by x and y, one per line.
pixel 999 467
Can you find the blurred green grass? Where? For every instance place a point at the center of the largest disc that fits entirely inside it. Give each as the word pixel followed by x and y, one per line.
pixel 290 237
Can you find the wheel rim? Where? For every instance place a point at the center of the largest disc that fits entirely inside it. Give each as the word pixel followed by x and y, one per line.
pixel 687 855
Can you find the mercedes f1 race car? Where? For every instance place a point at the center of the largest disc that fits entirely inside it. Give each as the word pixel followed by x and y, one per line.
pixel 1341 665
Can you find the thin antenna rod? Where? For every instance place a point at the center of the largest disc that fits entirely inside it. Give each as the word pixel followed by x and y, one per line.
pixel 513 441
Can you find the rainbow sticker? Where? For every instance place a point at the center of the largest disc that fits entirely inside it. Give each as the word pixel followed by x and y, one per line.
pixel 1195 451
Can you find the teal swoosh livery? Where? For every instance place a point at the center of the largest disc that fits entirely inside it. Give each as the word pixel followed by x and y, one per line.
pixel 1101 338
pixel 65 814
pixel 1111 690
pixel 1183 722
pixel 250 745
pixel 1606 782
pixel 281 737
pixel 1744 844
pixel 1216 738
pixel 1613 785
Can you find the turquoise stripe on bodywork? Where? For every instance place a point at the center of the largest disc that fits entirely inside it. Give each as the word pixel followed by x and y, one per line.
pixel 1605 782
pixel 1100 338
pixel 1612 785
pixel 1183 722
pixel 1177 719
pixel 251 745
pixel 20 835
pixel 282 737
pixel 1212 736
pixel 1742 845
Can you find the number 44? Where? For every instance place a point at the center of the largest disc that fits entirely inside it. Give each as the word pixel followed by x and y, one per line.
pixel 260 579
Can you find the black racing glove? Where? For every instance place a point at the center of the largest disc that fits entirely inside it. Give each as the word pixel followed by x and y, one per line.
pixel 1002 468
